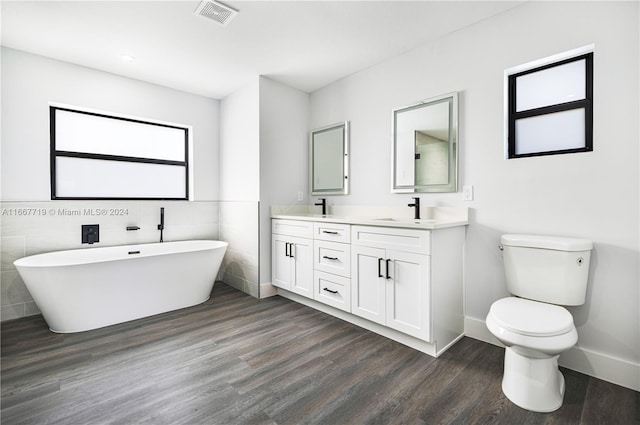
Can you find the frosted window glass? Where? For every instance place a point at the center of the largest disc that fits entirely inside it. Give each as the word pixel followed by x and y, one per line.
pixel 552 86
pixel 94 178
pixel 78 132
pixel 551 132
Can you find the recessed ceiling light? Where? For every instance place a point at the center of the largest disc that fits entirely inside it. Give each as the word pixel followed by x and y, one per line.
pixel 127 58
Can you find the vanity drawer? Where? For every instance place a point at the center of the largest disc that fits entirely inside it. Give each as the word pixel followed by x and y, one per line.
pixel 333 290
pixel 332 232
pixel 299 228
pixel 332 257
pixel 407 240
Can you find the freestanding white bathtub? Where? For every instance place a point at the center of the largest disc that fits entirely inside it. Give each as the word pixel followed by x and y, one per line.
pixel 83 289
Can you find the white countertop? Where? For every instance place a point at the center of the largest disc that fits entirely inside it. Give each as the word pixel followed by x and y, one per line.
pixel 429 224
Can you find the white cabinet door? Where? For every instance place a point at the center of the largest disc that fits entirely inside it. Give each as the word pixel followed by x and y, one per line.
pixel 408 294
pixel 368 283
pixel 292 264
pixel 281 262
pixel 301 256
pixel 392 288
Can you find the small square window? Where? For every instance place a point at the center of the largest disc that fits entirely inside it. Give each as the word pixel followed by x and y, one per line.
pixel 550 108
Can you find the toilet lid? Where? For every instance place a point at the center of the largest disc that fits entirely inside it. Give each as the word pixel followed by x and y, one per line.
pixel 531 318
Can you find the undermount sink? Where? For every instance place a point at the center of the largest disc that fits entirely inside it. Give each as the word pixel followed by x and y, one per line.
pixel 406 220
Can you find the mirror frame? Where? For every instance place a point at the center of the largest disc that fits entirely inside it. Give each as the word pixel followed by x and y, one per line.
pixel 452 185
pixel 344 190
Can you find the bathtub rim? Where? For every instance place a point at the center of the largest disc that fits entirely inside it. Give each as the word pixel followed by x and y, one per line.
pixel 89 255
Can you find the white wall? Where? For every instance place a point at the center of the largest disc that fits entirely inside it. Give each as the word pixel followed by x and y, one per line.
pixel 592 195
pixel 240 144
pixel 239 227
pixel 30 82
pixel 263 161
pixel 284 160
pixel 240 186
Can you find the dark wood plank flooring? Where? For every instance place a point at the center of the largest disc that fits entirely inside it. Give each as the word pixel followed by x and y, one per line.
pixel 238 360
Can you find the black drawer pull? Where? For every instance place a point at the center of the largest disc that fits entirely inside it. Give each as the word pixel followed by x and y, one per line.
pixel 330 258
pixel 134 252
pixel 329 290
pixel 330 233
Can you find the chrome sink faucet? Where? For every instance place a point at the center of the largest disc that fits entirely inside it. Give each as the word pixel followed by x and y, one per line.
pixel 323 203
pixel 416 205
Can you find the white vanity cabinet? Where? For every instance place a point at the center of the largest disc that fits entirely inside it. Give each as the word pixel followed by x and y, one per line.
pixel 292 256
pixel 403 282
pixel 391 278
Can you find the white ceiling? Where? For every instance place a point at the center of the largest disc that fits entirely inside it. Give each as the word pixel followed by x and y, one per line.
pixel 304 44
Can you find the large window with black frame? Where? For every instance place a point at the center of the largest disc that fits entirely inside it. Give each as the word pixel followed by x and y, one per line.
pixel 102 156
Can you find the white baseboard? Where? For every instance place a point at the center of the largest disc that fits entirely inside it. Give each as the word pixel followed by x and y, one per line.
pixel 601 366
pixel 267 290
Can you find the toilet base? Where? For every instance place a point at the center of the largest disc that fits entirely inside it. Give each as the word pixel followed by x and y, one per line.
pixel 532 383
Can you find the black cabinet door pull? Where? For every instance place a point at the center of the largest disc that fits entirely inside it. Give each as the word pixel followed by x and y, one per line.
pixel 288 249
pixel 387 276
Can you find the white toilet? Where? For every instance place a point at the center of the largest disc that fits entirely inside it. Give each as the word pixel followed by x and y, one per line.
pixel 543 272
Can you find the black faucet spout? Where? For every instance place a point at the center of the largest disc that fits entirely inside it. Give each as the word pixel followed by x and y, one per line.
pixel 323 204
pixel 416 205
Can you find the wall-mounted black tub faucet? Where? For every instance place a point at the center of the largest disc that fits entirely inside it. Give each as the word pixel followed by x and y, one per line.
pixel 416 205
pixel 161 225
pixel 323 203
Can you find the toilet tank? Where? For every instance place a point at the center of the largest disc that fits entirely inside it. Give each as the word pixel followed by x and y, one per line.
pixel 549 269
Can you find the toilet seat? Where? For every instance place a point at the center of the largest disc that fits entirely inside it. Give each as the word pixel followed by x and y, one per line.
pixel 531 318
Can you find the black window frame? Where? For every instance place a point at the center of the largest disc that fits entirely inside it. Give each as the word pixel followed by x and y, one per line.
pixel 586 104
pixel 54 153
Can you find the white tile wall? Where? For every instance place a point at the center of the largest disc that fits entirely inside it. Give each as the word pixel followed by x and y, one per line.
pixel 29 228
pixel 239 227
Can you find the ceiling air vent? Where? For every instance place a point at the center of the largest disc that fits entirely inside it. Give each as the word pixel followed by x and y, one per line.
pixel 215 11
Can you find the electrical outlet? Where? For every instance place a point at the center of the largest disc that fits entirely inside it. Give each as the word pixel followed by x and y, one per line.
pixel 300 196
pixel 467 193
